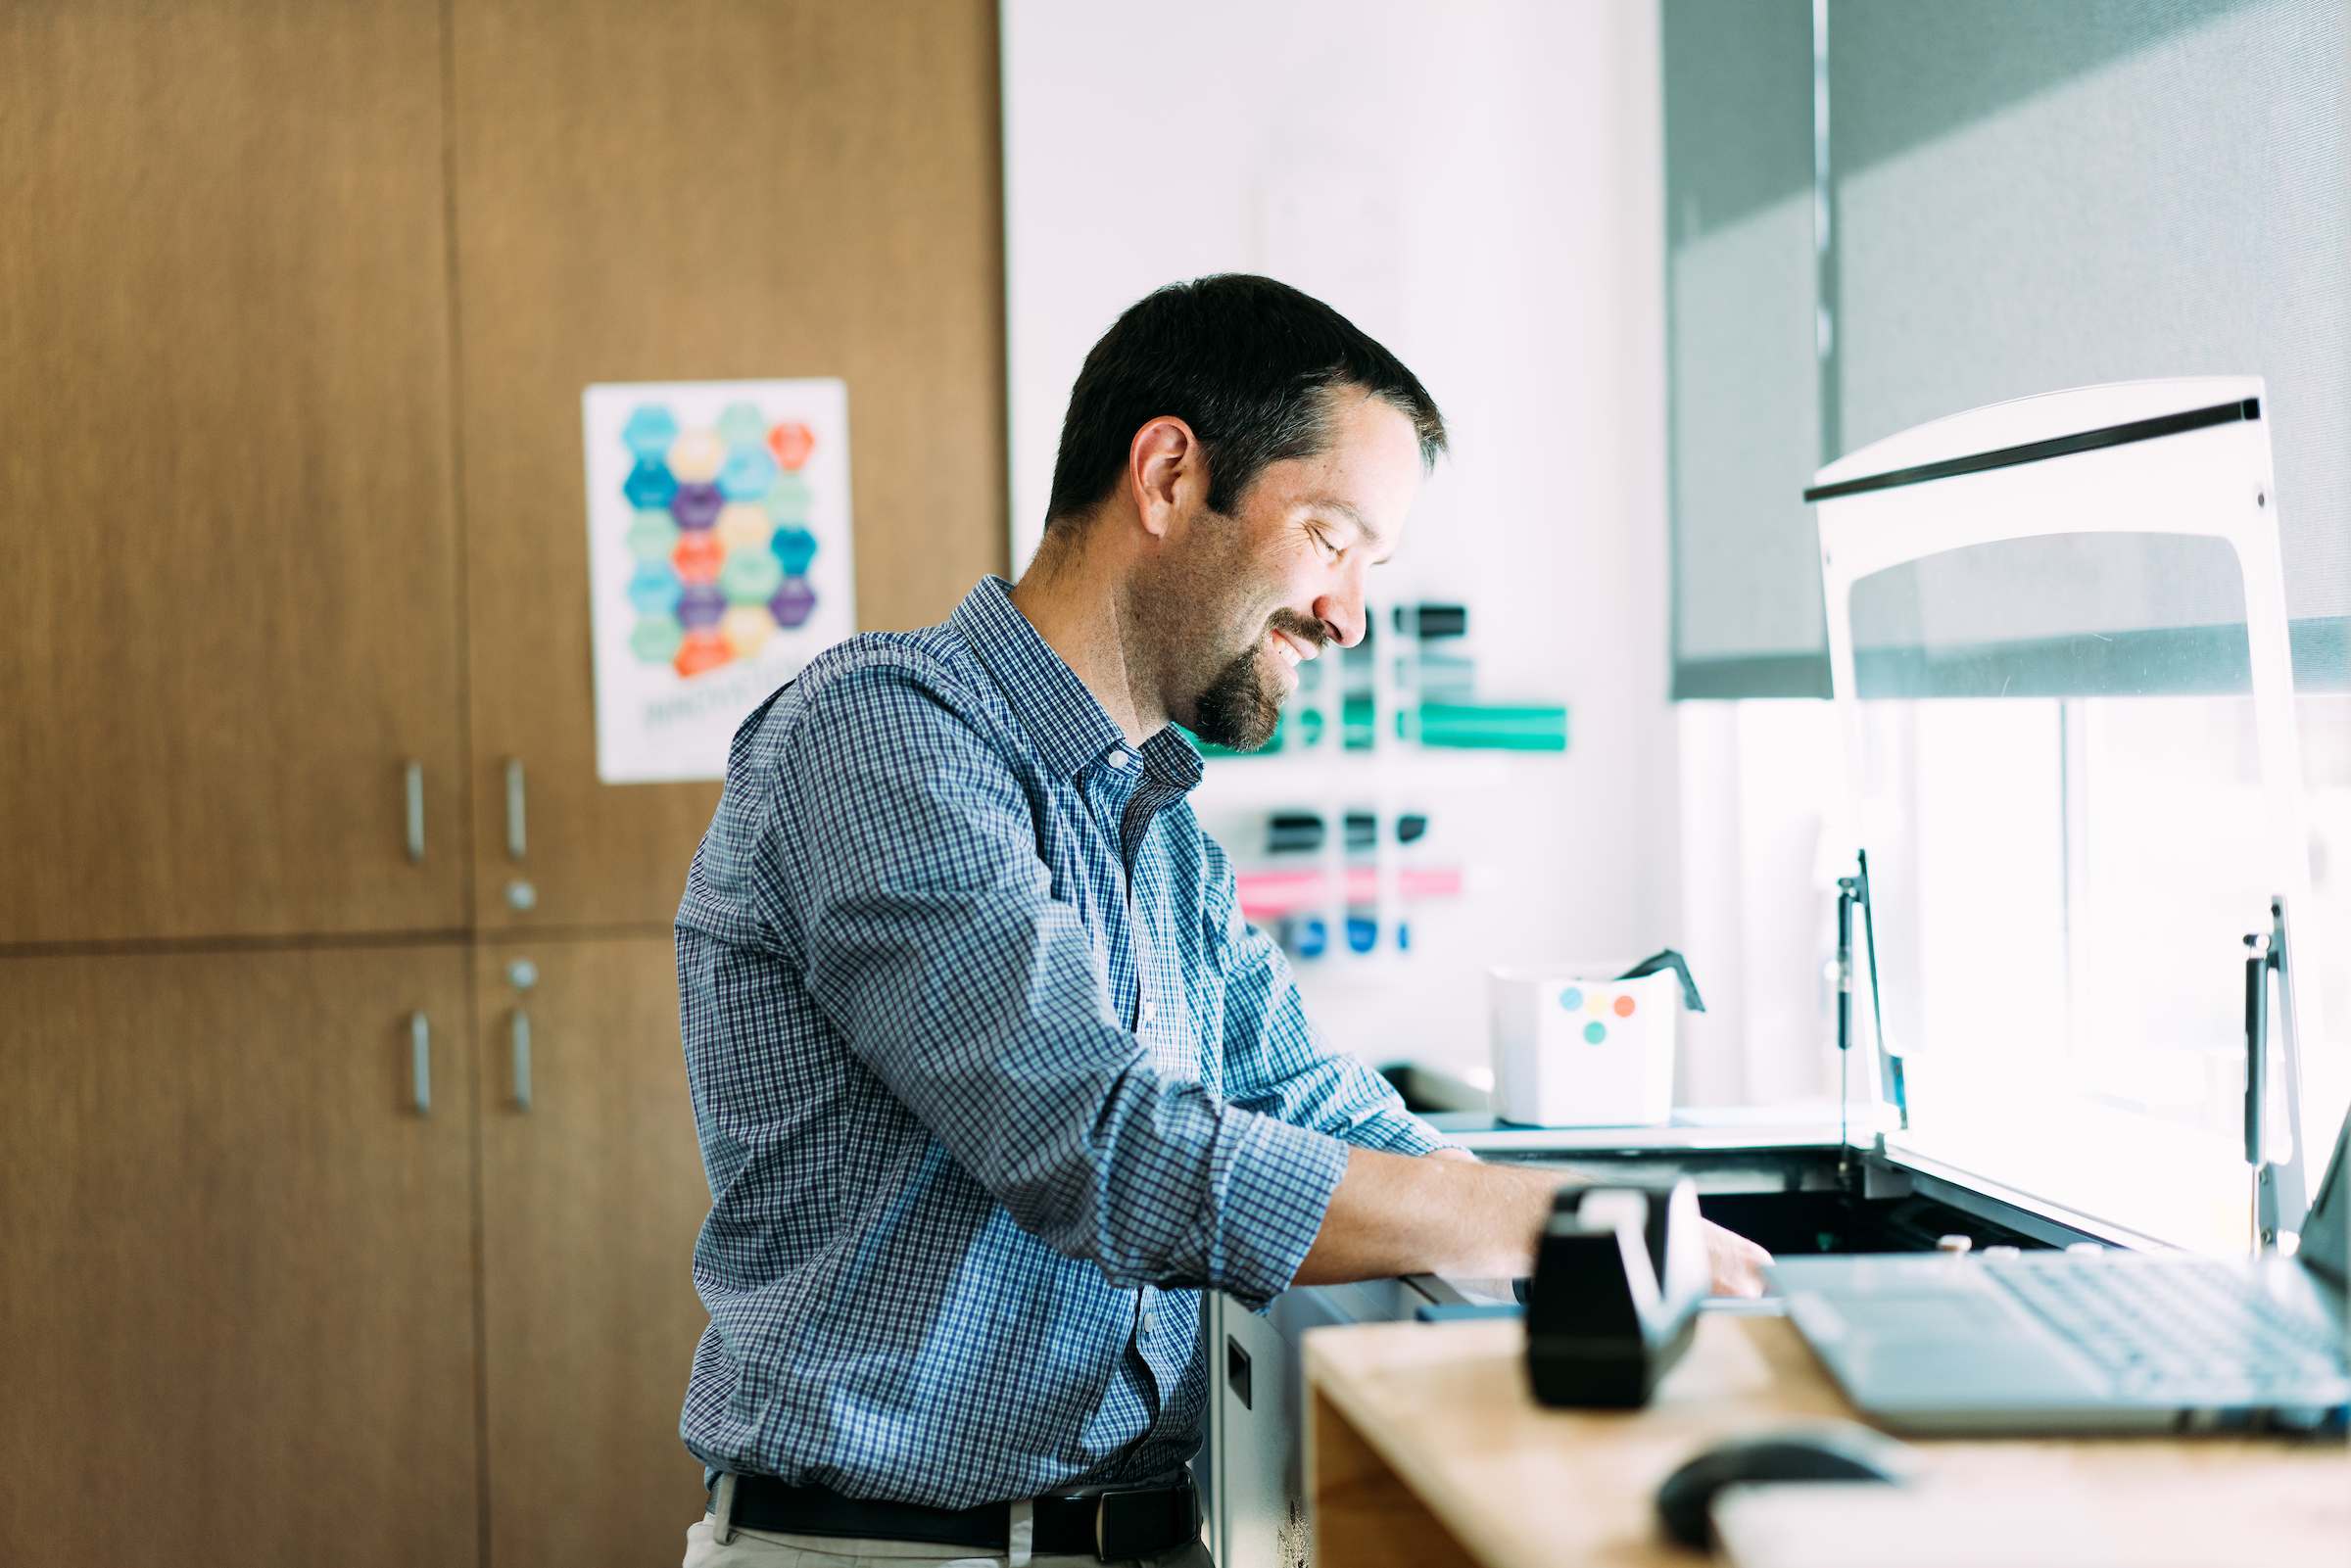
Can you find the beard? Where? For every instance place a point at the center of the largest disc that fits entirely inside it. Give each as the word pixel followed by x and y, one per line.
pixel 1200 605
pixel 1239 708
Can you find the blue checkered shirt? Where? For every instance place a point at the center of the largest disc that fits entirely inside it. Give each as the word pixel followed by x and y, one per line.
pixel 990 1077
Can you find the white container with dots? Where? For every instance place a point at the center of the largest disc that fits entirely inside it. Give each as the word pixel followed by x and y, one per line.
pixel 1574 1050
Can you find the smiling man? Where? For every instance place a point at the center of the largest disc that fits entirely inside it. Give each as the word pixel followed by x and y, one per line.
pixel 990 1076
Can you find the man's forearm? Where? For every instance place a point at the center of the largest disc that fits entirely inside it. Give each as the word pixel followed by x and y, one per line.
pixel 1401 1215
pixel 1447 1214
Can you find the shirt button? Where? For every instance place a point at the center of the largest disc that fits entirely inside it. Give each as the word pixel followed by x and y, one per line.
pixel 1150 1010
pixel 1117 758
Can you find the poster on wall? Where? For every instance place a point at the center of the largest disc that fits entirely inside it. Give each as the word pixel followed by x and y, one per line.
pixel 718 550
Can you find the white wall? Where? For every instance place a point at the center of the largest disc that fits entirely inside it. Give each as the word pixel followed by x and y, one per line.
pixel 1479 186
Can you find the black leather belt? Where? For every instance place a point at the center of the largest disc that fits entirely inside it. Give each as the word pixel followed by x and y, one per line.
pixel 1110 1526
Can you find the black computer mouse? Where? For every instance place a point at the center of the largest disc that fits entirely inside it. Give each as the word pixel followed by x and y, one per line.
pixel 1832 1452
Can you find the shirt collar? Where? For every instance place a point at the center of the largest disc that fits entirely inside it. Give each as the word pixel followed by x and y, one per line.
pixel 1170 760
pixel 1067 725
pixel 1062 717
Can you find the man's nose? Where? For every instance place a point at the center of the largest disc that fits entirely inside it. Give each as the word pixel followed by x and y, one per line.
pixel 1341 609
pixel 1341 613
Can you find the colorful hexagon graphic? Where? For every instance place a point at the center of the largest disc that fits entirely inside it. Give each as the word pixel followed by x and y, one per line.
pixel 655 589
pixel 700 650
pixel 794 603
pixel 698 456
pixel 698 557
pixel 795 548
pixel 747 629
pixel 744 526
pixel 701 607
pixel 749 474
pixel 750 577
pixel 654 535
pixel 650 485
pixel 656 639
pixel 792 442
pixel 697 505
pixel 741 424
pixel 648 432
pixel 720 542
pixel 789 500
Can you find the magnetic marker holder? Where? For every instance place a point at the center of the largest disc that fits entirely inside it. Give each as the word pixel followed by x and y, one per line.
pixel 1620 1273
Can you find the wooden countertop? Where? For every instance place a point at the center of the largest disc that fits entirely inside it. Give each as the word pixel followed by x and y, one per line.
pixel 1424 1447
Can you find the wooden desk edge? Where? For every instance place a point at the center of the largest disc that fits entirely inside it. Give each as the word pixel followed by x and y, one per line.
pixel 1381 1498
pixel 1373 1504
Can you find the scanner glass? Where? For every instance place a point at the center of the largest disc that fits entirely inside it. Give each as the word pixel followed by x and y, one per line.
pixel 2076 806
pixel 2064 808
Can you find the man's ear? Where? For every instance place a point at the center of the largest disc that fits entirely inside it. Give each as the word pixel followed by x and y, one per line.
pixel 1166 473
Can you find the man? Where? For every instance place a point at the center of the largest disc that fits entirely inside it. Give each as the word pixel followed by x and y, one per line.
pixel 990 1077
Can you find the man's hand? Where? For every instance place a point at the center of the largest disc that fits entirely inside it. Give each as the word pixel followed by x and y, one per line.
pixel 1452 1214
pixel 1738 1263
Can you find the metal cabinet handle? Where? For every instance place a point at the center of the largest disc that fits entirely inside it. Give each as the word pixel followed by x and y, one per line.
pixel 520 1033
pixel 416 811
pixel 515 839
pixel 421 1061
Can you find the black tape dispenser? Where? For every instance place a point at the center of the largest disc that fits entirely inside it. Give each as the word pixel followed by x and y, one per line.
pixel 1620 1273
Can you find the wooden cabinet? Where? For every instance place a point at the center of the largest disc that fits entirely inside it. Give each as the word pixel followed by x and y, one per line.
pixel 296 308
pixel 236 1284
pixel 228 495
pixel 707 190
pixel 591 1196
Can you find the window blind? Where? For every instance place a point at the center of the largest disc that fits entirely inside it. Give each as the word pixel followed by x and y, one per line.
pixel 2010 198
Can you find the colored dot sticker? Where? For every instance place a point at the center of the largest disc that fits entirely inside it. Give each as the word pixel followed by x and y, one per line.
pixel 1596 1004
pixel 1624 1007
pixel 1596 1033
pixel 1571 999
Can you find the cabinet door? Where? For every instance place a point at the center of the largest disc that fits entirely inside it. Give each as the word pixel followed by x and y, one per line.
pixel 236 1283
pixel 228 498
pixel 707 191
pixel 591 1196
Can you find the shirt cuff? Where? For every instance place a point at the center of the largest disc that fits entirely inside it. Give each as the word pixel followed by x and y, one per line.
pixel 1402 1134
pixel 1274 1184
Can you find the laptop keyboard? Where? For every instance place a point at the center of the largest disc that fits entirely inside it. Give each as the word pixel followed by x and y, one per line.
pixel 2198 1326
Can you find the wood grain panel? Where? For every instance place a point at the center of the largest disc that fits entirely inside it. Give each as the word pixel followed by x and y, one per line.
pixel 710 189
pixel 226 492
pixel 592 1199
pixel 236 1301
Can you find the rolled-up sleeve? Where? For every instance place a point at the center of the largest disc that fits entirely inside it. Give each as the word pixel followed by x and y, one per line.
pixel 1277 1063
pixel 934 941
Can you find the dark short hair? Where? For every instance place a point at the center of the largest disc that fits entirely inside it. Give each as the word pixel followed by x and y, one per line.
pixel 1247 363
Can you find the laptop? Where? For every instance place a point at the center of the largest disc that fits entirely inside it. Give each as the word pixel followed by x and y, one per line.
pixel 2087 1340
